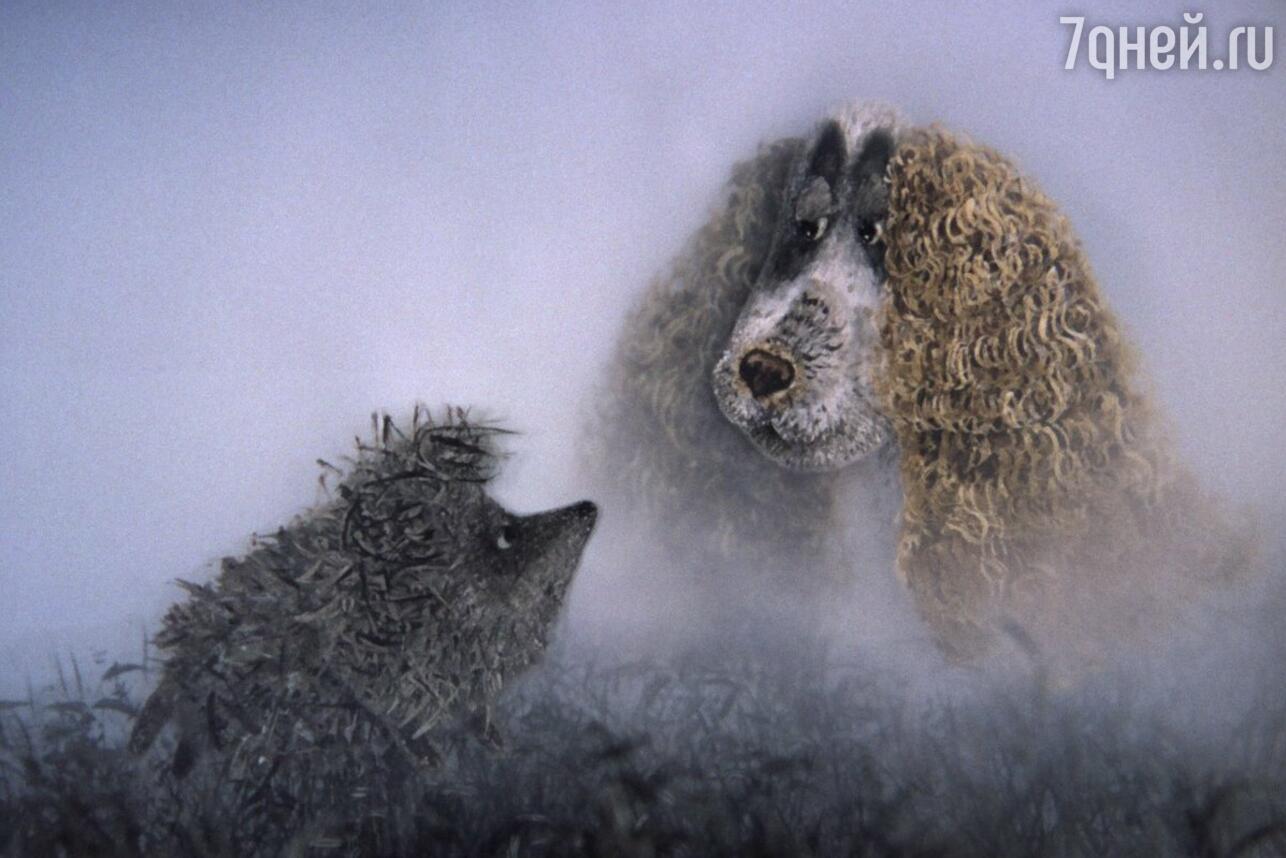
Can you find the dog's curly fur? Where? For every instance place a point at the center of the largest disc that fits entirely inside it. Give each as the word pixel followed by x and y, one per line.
pixel 1037 482
pixel 658 439
pixel 1037 479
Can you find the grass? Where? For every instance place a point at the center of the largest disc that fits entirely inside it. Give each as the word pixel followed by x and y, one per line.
pixel 706 758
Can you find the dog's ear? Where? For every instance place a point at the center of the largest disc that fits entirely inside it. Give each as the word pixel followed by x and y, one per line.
pixel 869 197
pixel 829 153
pixel 872 162
pixel 994 320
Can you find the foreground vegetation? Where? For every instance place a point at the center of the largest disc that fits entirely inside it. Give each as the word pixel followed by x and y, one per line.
pixel 702 758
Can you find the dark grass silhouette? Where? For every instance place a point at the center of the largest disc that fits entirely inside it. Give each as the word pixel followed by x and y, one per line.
pixel 727 758
pixel 66 785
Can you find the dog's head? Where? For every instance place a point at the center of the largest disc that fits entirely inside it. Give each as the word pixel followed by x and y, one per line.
pixel 796 376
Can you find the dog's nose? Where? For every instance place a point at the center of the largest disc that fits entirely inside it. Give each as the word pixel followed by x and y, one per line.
pixel 765 374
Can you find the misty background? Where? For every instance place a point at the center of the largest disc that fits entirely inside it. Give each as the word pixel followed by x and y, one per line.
pixel 228 235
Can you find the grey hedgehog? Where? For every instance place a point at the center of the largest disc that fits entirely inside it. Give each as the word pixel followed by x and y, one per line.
pixel 326 657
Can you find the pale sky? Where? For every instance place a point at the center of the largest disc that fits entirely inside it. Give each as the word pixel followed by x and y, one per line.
pixel 228 234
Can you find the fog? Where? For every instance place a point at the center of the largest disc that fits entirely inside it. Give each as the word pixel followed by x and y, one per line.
pixel 227 236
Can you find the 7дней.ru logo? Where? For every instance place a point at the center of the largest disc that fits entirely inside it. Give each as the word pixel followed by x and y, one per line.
pixel 1111 50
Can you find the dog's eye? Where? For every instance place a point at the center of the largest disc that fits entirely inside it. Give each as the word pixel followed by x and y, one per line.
pixel 871 232
pixel 506 537
pixel 813 229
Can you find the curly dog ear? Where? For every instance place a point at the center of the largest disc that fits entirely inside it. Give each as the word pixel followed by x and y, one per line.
pixel 1034 470
pixel 999 323
pixel 1007 381
pixel 1007 377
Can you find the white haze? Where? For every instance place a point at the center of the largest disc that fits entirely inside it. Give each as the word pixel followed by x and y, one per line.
pixel 227 235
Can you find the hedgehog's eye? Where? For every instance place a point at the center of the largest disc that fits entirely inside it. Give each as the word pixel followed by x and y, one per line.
pixel 506 537
pixel 871 232
pixel 813 230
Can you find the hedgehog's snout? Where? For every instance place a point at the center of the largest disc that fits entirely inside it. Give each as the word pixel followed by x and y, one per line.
pixel 587 511
pixel 765 373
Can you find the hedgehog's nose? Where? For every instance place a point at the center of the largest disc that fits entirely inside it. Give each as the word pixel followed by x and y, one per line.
pixel 587 510
pixel 765 373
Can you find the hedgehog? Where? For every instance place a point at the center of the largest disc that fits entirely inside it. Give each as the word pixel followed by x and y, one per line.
pixel 338 649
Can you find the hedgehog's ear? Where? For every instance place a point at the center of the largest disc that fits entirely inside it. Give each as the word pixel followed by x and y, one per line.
pixel 827 158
